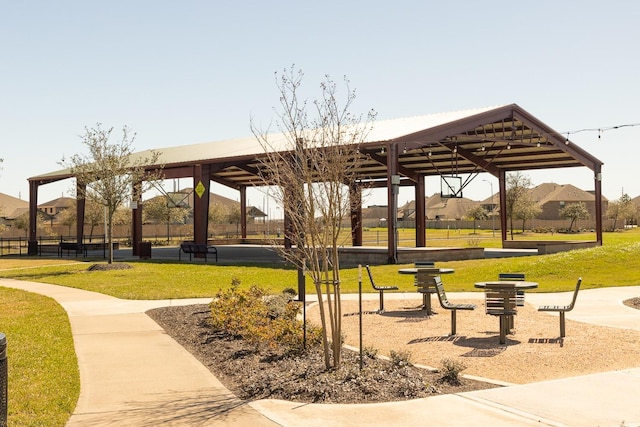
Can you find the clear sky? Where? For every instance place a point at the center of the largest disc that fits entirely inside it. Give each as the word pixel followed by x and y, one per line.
pixel 196 71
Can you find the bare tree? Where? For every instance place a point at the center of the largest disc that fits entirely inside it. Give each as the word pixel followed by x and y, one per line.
pixel 110 174
pixel 312 167
pixel 574 212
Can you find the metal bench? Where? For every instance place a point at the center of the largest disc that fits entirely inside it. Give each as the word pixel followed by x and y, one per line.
pixel 424 264
pixel 380 289
pixel 519 294
pixel 197 248
pixel 444 303
pixel 562 309
pixel 515 277
pixel 425 282
pixel 72 246
pixel 501 301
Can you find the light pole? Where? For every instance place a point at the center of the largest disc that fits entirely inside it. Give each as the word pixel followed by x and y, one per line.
pixel 493 217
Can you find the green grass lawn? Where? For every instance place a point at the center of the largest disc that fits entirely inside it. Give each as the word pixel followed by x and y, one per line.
pixel 616 263
pixel 41 347
pixel 44 383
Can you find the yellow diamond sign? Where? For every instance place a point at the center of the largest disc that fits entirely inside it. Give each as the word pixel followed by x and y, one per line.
pixel 200 189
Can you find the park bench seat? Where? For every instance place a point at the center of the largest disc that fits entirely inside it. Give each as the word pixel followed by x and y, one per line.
pixel 520 277
pixel 380 289
pixel 425 283
pixel 197 248
pixel 501 301
pixel 562 309
pixel 77 248
pixel 446 304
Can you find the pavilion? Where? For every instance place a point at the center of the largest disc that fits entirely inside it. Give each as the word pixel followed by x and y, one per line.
pixel 456 146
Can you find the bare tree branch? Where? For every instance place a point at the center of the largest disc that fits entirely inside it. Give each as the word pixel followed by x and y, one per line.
pixel 312 165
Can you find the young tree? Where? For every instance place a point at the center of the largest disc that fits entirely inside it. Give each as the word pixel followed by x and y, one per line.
pixel 234 217
pixel 162 210
pixel 477 213
pixel 93 216
pixel 22 223
pixel 312 168
pixel 2 226
pixel 110 173
pixel 621 209
pixel 574 212
pixel 526 209
pixel 218 213
pixel 517 198
pixel 68 217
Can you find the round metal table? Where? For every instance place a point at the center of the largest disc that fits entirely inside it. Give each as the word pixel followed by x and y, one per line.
pixel 519 284
pixel 414 270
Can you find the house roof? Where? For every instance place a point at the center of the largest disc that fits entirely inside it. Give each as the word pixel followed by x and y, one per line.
pixel 12 207
pixel 437 206
pixel 186 195
pixel 551 192
pixel 60 202
pixel 495 138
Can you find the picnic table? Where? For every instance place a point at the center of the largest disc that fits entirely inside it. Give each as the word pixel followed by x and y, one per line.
pixel 502 300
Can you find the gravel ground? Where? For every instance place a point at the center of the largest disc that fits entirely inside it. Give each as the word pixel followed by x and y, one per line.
pixel 534 352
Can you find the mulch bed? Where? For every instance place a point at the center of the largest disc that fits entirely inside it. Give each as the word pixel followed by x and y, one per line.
pixel 253 374
pixel 633 303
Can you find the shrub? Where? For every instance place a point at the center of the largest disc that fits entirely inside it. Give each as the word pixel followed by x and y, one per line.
pixel 450 370
pixel 473 242
pixel 259 318
pixel 400 359
pixel 370 352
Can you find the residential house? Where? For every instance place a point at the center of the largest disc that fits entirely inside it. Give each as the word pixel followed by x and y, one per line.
pixel 553 197
pixel 11 208
pixel 438 208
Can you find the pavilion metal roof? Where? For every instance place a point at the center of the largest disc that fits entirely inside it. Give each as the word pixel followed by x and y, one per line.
pixel 463 142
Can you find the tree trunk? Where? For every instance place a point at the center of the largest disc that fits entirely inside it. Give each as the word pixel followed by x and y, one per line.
pixel 110 233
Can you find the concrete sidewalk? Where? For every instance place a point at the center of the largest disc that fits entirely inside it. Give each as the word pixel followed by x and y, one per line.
pixel 133 374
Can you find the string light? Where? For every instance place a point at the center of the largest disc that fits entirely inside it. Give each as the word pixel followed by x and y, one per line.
pixel 566 135
pixel 600 130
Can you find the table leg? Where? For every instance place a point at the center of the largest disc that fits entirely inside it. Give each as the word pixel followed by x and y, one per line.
pixel 426 302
